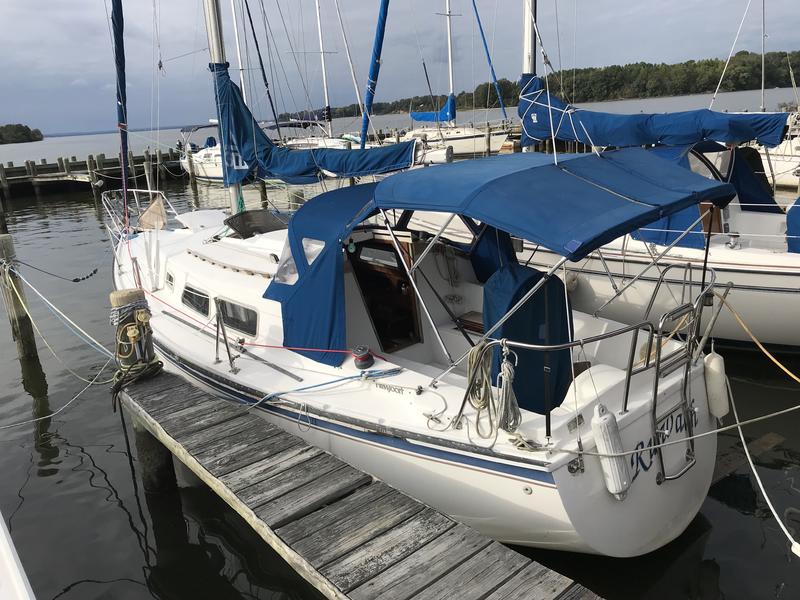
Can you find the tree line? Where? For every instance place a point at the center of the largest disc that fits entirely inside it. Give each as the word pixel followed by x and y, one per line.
pixel 616 82
pixel 16 132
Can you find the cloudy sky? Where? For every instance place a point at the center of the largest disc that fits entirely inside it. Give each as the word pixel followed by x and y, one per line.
pixel 57 68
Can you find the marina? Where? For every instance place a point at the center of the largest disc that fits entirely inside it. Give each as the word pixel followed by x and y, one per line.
pixel 543 352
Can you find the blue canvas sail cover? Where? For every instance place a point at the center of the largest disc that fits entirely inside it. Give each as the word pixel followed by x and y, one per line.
pixel 571 208
pixel 537 109
pixel 446 113
pixel 248 151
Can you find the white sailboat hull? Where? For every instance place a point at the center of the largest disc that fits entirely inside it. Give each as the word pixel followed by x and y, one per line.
pixel 766 287
pixel 785 162
pixel 207 164
pixel 465 141
pixel 555 510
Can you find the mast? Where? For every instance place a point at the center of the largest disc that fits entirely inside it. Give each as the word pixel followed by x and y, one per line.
pixel 118 25
pixel 528 37
pixel 324 74
pixel 374 68
pixel 238 50
pixel 449 17
pixel 216 48
pixel 763 43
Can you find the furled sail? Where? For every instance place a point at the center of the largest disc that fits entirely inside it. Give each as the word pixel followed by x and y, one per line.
pixel 247 150
pixel 544 115
pixel 446 113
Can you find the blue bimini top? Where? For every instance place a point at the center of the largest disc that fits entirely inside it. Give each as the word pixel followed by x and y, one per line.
pixel 572 208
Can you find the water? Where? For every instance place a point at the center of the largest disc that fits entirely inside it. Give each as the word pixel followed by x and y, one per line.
pixel 69 492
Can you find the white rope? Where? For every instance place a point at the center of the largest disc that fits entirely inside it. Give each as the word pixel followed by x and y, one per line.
pixel 795 546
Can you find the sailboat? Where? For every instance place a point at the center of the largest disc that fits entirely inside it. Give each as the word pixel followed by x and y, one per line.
pixel 206 161
pixel 391 325
pixel 465 141
pixel 753 244
pixel 783 160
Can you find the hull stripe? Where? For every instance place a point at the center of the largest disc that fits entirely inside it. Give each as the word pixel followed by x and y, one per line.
pixel 386 442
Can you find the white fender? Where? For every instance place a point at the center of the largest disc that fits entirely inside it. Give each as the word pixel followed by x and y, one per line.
pixel 615 468
pixel 716 388
pixel 571 281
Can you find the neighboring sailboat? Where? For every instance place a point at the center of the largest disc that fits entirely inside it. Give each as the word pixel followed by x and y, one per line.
pixel 754 243
pixel 783 161
pixel 465 141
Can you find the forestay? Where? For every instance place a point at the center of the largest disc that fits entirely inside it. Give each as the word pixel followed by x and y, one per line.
pixel 572 208
pixel 544 116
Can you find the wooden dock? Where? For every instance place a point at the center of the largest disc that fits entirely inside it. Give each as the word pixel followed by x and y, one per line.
pixel 97 171
pixel 346 533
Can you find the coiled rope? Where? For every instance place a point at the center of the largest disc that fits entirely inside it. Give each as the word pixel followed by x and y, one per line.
pixel 497 412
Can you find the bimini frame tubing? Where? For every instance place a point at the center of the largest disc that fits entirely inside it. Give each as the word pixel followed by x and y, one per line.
pixel 651 264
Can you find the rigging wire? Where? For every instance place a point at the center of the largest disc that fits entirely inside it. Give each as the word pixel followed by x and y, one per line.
pixel 261 66
pixel 89 383
pixel 558 50
pixel 294 56
pixel 730 54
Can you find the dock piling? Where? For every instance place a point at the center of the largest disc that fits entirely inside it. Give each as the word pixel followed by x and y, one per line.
pixel 190 165
pixel 14 296
pixel 4 181
pixel 155 460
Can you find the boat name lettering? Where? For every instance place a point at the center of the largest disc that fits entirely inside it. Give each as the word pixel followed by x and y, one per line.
pixel 642 461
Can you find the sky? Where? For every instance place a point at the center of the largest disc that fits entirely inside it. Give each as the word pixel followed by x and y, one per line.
pixel 57 72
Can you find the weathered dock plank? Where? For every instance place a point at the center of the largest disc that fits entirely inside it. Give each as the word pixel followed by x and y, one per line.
pixel 348 534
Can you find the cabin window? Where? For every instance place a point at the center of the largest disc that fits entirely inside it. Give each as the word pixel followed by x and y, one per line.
pixel 287 269
pixel 170 281
pixel 239 317
pixel 312 248
pixel 195 299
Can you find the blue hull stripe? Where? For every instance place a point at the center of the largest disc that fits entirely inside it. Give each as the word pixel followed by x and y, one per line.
pixel 424 451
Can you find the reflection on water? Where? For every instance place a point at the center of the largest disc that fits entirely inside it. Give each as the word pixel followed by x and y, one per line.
pixel 85 529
